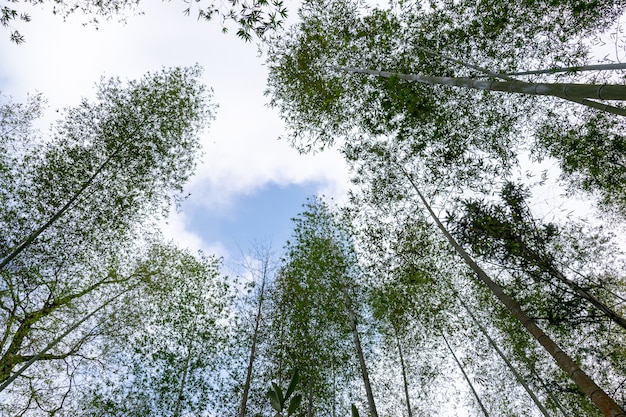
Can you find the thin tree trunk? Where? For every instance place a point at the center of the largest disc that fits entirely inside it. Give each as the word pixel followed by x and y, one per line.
pixel 310 407
pixel 600 398
pixel 56 341
pixel 569 90
pixel 556 402
pixel 493 344
pixel 508 77
pixel 469 382
pixel 183 380
pixel 528 253
pixel 582 293
pixel 255 335
pixel 334 371
pixel 404 378
pixel 579 93
pixel 35 234
pixel 555 70
pixel 357 343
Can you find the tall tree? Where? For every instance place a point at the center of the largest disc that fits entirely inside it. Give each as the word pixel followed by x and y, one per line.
pixel 509 234
pixel 605 403
pixel 260 267
pixel 169 361
pixel 460 135
pixel 320 268
pixel 78 201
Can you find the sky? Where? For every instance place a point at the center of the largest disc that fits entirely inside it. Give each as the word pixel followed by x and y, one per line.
pixel 249 184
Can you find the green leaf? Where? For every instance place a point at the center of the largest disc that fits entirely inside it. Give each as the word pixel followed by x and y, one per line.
pixel 276 404
pixel 295 379
pixel 279 393
pixel 355 411
pixel 294 404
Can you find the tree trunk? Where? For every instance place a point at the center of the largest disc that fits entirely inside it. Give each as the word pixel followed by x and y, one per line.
pixel 469 382
pixel 183 381
pixel 493 344
pixel 555 70
pixel 255 335
pixel 359 350
pixel 600 398
pixel 508 77
pixel 35 234
pixel 570 90
pixel 57 340
pixel 582 293
pixel 404 378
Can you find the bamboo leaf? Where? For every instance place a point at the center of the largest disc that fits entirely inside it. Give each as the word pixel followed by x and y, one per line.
pixel 295 379
pixel 294 404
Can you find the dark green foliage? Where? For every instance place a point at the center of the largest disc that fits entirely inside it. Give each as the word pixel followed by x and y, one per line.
pixel 282 403
pixel 592 156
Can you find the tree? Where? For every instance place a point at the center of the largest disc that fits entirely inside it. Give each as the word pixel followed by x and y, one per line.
pixel 605 403
pixel 262 272
pixel 78 201
pixel 170 359
pixel 509 234
pixel 459 134
pixel 251 18
pixel 318 288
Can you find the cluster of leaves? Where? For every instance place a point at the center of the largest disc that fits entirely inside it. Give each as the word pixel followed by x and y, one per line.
pixel 257 17
pixel 279 401
pixel 76 214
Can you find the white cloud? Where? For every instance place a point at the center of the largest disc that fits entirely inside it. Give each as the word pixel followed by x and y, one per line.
pixel 242 153
pixel 176 229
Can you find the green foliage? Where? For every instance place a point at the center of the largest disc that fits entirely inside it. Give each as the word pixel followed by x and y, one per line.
pixel 591 156
pixel 166 360
pixel 75 215
pixel 281 403
pixel 252 18
pixel 313 294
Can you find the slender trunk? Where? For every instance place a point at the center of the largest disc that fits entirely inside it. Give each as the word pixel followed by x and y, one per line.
pixel 493 344
pixel 531 255
pixel 35 234
pixel 404 378
pixel 555 70
pixel 569 90
pixel 56 341
pixel 309 412
pixel 600 398
pixel 508 77
pixel 578 93
pixel 359 350
pixel 334 412
pixel 257 321
pixel 582 293
pixel 547 389
pixel 469 382
pixel 183 381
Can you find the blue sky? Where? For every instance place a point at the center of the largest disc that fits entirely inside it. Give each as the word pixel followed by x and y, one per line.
pixel 249 184
pixel 263 216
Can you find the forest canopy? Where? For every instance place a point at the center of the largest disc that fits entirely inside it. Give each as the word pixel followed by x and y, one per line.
pixel 441 285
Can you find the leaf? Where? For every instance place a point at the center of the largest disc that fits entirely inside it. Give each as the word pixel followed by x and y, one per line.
pixel 276 405
pixel 295 379
pixel 294 404
pixel 355 411
pixel 279 393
